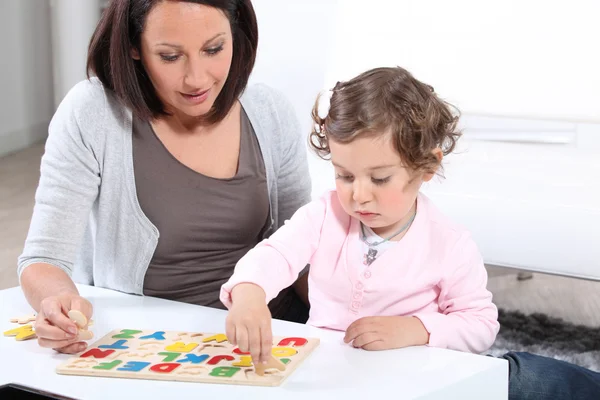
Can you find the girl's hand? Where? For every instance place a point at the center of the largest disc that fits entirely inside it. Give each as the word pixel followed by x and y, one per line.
pixel 249 322
pixel 53 327
pixel 383 333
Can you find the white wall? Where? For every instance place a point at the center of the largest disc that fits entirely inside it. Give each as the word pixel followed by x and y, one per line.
pixel 295 48
pixel 516 58
pixel 296 40
pixel 525 58
pixel 523 71
pixel 73 23
pixel 26 104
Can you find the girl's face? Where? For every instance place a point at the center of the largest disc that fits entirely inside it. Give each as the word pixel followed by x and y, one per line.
pixel 186 50
pixel 372 183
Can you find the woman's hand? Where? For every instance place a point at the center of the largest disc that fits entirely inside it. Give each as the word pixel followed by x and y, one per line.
pixel 53 327
pixel 249 322
pixel 383 333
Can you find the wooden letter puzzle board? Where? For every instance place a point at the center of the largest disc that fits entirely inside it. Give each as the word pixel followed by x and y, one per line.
pixel 183 356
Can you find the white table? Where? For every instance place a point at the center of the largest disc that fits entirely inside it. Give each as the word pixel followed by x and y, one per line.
pixel 334 370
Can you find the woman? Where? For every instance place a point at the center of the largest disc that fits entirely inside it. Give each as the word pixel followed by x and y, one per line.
pixel 162 171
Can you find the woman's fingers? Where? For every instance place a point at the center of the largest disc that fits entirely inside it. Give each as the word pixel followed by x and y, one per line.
pixel 46 331
pixel 52 310
pixel 56 344
pixel 72 348
pixel 84 306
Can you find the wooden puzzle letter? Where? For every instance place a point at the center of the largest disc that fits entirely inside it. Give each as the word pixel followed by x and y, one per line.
pixel 97 353
pixel 219 338
pixel 22 333
pixel 82 364
pixel 138 354
pixel 164 368
pixel 24 319
pixel 169 356
pixel 191 370
pixel 284 351
pixel 116 345
pixel 238 351
pixel 181 347
pixel 215 360
pixel 245 361
pixel 224 372
pixel 293 341
pixel 160 335
pixel 126 334
pixel 194 359
pixel 109 365
pixel 145 345
pixel 134 366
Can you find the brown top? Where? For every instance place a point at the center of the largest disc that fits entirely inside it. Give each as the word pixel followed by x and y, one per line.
pixel 206 224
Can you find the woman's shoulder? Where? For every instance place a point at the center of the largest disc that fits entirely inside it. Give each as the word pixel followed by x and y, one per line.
pixel 88 102
pixel 87 110
pixel 260 93
pixel 267 104
pixel 85 94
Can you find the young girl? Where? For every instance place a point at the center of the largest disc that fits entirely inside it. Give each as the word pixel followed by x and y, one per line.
pixel 386 266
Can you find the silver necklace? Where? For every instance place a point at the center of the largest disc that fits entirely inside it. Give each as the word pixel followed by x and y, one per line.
pixel 371 254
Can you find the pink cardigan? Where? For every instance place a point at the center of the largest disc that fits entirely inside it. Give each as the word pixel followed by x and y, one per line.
pixel 434 273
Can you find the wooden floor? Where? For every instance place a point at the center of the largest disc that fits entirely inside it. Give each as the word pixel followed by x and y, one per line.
pixel 571 299
pixel 19 175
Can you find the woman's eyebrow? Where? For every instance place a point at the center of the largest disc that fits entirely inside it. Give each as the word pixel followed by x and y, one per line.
pixel 176 46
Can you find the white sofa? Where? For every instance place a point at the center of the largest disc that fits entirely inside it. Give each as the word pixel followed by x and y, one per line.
pixel 529 191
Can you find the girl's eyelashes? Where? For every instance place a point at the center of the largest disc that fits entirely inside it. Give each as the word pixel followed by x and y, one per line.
pixel 345 178
pixel 381 181
pixel 350 178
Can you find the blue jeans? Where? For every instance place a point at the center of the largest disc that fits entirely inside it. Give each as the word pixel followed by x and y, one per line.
pixel 533 377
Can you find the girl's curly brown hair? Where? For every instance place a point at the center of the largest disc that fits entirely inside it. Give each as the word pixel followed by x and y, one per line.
pixel 389 100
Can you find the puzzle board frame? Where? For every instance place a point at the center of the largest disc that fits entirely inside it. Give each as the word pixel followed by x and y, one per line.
pixel 183 356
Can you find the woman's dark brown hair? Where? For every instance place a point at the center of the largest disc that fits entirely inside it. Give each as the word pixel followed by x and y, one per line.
pixel 390 101
pixel 119 31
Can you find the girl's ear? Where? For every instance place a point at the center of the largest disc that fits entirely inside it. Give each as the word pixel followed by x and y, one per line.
pixel 437 152
pixel 135 54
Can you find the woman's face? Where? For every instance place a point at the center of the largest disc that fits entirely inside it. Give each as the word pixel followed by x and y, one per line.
pixel 186 50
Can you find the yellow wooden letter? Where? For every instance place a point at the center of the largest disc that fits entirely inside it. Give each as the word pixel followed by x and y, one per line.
pixel 284 351
pixel 245 361
pixel 219 338
pixel 22 333
pixel 181 347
